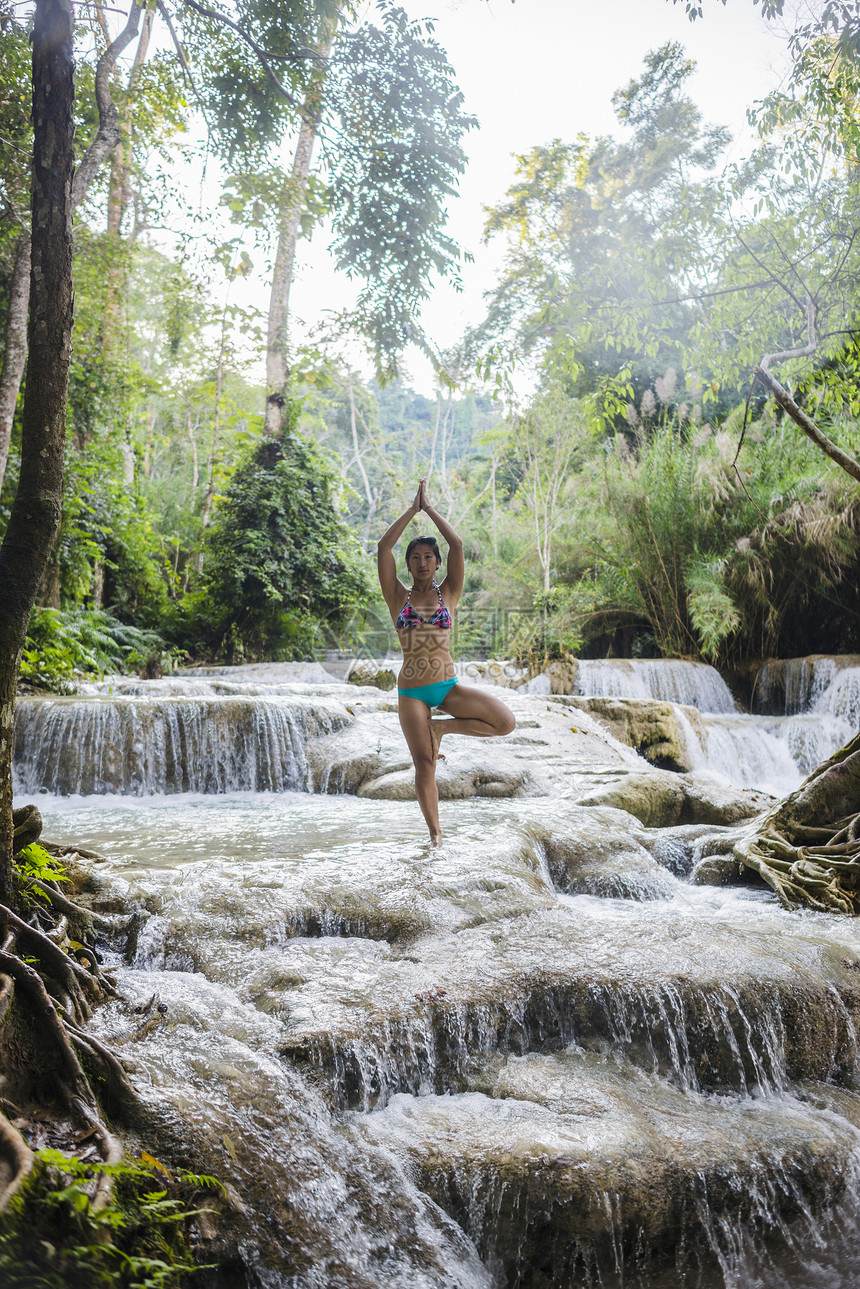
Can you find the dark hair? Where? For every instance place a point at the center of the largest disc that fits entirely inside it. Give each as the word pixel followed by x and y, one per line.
pixel 424 541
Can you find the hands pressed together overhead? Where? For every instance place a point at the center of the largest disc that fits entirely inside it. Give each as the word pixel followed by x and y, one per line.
pixel 421 503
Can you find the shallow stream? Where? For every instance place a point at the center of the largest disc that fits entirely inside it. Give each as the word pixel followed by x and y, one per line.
pixel 536 1057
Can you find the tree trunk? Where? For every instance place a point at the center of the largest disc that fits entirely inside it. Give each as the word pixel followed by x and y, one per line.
pixel 119 188
pixel 107 135
pixel 106 138
pixel 36 509
pixel 289 219
pixel 15 351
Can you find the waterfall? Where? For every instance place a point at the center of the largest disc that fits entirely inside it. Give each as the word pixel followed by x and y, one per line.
pixel 139 746
pixel 791 686
pixel 741 750
pixel 751 752
pixel 816 701
pixel 693 684
pixel 533 1055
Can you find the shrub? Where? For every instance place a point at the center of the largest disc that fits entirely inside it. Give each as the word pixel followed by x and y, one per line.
pixel 63 645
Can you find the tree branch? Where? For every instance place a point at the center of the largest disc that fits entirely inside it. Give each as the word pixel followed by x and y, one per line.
pixel 261 53
pixel 810 429
pixel 108 134
pixel 800 351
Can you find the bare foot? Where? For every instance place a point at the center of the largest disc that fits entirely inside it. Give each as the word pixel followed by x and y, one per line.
pixel 435 839
pixel 437 729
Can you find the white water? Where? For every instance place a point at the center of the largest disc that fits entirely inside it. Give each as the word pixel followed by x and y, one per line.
pixel 818 700
pixel 692 683
pixel 812 706
pixel 535 1056
pixel 143 745
pixel 425 1055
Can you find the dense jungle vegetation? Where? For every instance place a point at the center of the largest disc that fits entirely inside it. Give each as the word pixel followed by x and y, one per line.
pixel 642 499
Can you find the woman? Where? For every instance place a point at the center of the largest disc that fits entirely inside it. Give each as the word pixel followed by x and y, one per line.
pixel 422 615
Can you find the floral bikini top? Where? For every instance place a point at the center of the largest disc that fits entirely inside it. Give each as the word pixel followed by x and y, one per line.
pixel 409 617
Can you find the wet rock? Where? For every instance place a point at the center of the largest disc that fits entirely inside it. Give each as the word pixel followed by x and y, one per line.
pixel 461 777
pixel 706 1009
pixel 564 1169
pixel 660 801
pixel 708 801
pixel 679 849
pixel 370 759
pixel 656 801
pixel 719 868
pixel 593 852
pixel 370 673
pixel 654 730
pixel 306 1206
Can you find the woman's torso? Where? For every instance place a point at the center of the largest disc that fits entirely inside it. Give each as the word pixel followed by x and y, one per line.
pixel 426 645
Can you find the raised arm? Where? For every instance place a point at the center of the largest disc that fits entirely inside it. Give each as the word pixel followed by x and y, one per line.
pixel 385 562
pixel 455 571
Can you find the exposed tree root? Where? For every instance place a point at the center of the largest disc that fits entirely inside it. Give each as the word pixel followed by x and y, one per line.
pixel 46 995
pixel 17 1155
pixel 807 848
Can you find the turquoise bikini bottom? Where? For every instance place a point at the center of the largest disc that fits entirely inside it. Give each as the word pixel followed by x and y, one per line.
pixel 432 695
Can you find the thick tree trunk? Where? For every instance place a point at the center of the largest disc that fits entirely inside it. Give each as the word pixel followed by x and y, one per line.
pixel 289 221
pixel 15 351
pixel 36 509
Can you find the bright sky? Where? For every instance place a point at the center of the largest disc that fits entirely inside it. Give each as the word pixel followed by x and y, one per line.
pixel 541 69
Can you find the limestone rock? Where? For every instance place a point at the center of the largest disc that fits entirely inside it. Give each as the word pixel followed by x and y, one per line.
pixel 370 673
pixel 655 730
pixel 495 671
pixel 594 852
pixel 719 870
pixel 656 801
pixel 558 678
pixel 662 800
pixel 680 849
pixel 554 1155
pixel 708 801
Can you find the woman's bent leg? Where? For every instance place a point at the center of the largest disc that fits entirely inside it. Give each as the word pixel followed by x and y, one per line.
pixel 415 723
pixel 473 712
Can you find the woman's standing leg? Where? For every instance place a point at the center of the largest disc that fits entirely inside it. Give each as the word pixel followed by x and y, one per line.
pixel 415 723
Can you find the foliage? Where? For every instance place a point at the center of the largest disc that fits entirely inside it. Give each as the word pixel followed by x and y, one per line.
pixel 53 1237
pixel 599 232
pixel 391 122
pixel 62 646
pixel 15 128
pixel 688 554
pixel 398 103
pixel 34 863
pixel 280 558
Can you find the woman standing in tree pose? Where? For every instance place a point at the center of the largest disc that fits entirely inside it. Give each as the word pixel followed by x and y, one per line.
pixel 422 615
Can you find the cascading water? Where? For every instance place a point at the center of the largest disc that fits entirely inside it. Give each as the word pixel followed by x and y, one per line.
pixel 772 756
pixel 816 701
pixel 143 745
pixel 536 1056
pixel 692 683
